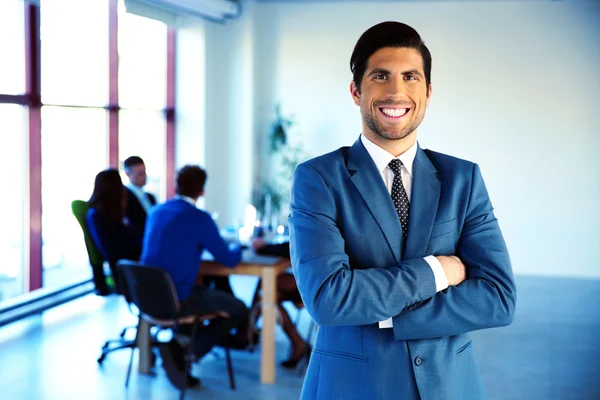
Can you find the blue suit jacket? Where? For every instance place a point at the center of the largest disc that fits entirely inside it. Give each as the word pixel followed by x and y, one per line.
pixel 352 271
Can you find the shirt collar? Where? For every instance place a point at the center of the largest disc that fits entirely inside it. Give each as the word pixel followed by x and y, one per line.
pixel 186 198
pixel 382 158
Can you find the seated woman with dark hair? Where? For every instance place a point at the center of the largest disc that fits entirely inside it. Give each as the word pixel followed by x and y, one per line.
pixel 105 220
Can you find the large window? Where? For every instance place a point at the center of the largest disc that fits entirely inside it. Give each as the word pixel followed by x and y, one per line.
pixel 82 86
pixel 13 160
pixel 13 152
pixel 142 59
pixel 12 47
pixel 74 37
pixel 74 150
pixel 142 123
pixel 142 133
pixel 74 71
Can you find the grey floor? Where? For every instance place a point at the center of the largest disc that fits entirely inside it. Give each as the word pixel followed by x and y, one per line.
pixel 552 351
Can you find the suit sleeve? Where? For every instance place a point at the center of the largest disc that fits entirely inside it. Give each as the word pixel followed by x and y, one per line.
pixel 487 298
pixel 332 291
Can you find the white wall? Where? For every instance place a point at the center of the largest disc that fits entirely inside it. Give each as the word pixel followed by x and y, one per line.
pixel 516 88
pixel 215 116
pixel 190 97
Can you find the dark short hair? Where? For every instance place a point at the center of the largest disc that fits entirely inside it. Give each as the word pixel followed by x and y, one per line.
pixel 131 161
pixel 387 34
pixel 190 181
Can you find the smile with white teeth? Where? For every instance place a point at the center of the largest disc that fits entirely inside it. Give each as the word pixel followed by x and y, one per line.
pixel 394 112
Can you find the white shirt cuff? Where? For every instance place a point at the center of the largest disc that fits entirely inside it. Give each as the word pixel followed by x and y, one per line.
pixel 388 323
pixel 441 282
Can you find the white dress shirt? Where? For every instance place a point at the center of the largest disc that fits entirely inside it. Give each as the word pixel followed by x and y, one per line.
pixel 382 158
pixel 141 196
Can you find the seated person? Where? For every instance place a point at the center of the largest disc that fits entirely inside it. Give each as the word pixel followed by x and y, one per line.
pixel 106 221
pixel 286 291
pixel 176 235
pixel 139 202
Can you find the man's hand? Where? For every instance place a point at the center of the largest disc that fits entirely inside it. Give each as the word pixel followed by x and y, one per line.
pixel 453 268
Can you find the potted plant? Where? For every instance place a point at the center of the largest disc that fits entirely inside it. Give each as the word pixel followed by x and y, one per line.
pixel 272 196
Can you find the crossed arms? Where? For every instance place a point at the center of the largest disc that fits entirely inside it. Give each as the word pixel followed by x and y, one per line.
pixel 336 294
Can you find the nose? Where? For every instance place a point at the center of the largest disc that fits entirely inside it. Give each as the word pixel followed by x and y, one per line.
pixel 397 86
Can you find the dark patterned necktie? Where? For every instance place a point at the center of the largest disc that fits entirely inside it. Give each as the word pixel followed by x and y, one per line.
pixel 399 196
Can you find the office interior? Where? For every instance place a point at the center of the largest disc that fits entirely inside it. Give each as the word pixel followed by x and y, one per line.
pixel 84 85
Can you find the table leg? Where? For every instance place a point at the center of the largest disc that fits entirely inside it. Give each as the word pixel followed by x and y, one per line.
pixel 269 304
pixel 144 347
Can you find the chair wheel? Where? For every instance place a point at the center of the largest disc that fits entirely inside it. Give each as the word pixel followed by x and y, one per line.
pixel 101 359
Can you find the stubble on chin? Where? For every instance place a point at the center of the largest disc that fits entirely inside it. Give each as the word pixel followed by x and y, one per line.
pixel 374 126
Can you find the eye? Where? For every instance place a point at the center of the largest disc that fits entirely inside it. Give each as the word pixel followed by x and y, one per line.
pixel 379 76
pixel 410 77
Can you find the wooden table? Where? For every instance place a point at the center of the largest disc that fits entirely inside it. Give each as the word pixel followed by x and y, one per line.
pixel 265 267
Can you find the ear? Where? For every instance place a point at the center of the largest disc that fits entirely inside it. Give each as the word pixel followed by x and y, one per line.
pixel 428 96
pixel 354 92
pixel 201 193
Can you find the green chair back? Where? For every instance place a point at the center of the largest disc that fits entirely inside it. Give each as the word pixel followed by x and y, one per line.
pixel 80 209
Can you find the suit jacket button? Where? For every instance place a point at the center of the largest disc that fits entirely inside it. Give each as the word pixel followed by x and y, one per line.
pixel 418 361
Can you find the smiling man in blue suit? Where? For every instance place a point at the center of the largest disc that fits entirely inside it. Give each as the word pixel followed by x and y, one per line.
pixel 396 250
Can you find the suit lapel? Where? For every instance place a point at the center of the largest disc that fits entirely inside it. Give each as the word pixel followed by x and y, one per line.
pixel 151 198
pixel 367 180
pixel 425 198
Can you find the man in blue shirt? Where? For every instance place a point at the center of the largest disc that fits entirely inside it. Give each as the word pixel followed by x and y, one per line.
pixel 176 235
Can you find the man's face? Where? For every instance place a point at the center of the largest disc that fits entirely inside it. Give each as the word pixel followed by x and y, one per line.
pixel 393 94
pixel 137 174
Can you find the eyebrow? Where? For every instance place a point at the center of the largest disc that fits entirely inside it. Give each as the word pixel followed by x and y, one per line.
pixel 413 72
pixel 384 71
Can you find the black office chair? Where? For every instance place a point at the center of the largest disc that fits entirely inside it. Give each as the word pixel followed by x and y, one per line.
pixel 152 291
pixel 104 285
